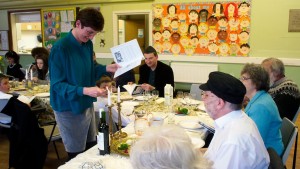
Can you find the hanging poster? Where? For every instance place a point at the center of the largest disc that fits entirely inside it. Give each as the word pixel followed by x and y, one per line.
pixel 202 28
pixel 56 23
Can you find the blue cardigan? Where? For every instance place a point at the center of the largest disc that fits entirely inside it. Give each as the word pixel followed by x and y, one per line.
pixel 71 68
pixel 263 111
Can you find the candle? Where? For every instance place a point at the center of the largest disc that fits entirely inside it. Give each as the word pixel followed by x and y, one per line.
pixel 31 74
pixel 119 98
pixel 108 97
pixel 26 74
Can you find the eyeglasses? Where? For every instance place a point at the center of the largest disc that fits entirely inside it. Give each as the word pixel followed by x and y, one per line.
pixel 243 78
pixel 89 32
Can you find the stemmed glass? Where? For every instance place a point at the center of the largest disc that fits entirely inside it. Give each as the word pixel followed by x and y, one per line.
pixel 147 96
pixel 141 122
pixel 179 95
pixel 186 96
pixel 154 94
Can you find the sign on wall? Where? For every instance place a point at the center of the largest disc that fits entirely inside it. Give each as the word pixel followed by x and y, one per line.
pixel 202 28
pixel 56 23
pixel 294 20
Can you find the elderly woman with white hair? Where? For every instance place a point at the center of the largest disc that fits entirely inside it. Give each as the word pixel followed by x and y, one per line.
pixel 167 147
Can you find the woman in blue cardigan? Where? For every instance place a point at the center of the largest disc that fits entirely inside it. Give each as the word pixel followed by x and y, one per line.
pixel 261 107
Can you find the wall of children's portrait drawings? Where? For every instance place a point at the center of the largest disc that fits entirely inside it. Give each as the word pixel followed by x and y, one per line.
pixel 210 29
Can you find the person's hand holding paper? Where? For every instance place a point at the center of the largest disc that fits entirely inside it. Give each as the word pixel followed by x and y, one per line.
pixel 128 55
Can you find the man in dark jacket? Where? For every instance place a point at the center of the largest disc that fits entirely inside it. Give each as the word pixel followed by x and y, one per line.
pixel 155 74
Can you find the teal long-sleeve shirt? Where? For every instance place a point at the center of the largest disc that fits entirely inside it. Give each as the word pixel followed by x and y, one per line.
pixel 71 68
pixel 263 111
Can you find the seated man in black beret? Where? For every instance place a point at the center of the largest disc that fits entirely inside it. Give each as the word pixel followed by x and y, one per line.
pixel 237 142
pixel 155 74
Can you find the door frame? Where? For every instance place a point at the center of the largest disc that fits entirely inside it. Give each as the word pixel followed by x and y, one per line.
pixel 148 24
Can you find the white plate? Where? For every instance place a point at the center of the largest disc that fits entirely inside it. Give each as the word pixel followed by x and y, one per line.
pixel 130 103
pixel 201 107
pixel 140 98
pixel 190 124
pixel 190 101
pixel 42 95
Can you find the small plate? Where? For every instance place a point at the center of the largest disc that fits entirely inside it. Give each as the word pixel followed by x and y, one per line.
pixel 140 98
pixel 18 89
pixel 201 107
pixel 190 124
pixel 42 95
pixel 190 102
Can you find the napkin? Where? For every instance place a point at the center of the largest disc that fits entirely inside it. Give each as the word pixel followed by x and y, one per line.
pixel 133 89
pixel 5 96
pixel 5 119
pixel 160 100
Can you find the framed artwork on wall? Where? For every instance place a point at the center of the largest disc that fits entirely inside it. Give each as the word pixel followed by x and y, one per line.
pixel 56 23
pixel 202 28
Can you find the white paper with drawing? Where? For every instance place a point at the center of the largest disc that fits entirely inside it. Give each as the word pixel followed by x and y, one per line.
pixel 128 55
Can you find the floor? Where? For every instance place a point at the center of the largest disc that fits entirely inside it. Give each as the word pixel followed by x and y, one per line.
pixel 52 162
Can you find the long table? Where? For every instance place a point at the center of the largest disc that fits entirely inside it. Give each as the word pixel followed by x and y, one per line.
pixel 91 158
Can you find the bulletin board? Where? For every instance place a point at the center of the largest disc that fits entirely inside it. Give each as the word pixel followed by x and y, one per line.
pixel 202 28
pixel 4 46
pixel 56 23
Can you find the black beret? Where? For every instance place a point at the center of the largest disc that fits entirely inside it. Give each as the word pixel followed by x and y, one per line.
pixel 225 87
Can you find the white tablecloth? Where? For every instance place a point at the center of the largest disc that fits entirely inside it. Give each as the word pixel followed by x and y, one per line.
pixel 92 159
pixel 114 161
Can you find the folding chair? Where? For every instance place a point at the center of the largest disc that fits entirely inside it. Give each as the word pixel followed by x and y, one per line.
pixel 196 90
pixel 52 134
pixel 289 132
pixel 275 160
pixel 51 130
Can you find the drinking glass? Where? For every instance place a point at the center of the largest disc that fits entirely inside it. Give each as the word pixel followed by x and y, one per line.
pixel 187 97
pixel 179 95
pixel 154 94
pixel 16 82
pixel 141 122
pixel 147 96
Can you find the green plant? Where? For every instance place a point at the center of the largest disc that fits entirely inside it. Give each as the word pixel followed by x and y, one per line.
pixel 2 64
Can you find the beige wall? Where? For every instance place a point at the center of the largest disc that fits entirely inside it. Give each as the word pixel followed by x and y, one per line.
pixel 269 34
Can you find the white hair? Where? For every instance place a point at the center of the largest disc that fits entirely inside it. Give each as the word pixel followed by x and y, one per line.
pixel 166 147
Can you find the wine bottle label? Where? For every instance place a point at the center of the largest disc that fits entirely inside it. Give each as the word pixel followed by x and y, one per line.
pixel 100 141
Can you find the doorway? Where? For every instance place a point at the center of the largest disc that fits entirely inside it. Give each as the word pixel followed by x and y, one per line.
pixel 131 25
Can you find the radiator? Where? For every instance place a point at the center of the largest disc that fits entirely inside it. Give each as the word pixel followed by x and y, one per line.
pixel 192 72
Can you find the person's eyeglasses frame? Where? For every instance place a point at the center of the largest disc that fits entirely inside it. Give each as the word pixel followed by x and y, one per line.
pixel 243 78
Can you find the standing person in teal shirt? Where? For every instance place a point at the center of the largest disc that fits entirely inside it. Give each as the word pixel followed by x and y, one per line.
pixel 73 76
pixel 261 108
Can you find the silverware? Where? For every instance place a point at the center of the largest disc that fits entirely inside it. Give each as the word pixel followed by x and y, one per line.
pixel 212 130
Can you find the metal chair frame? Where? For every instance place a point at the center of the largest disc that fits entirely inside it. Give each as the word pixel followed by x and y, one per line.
pixel 289 133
